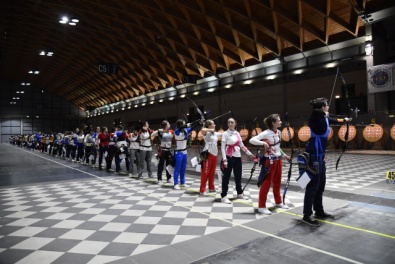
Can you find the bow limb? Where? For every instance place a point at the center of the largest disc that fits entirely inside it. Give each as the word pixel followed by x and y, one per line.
pixel 221 115
pixel 202 119
pixel 347 123
pixel 256 158
pixel 292 154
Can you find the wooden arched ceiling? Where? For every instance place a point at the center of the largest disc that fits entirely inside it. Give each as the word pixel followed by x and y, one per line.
pixel 156 42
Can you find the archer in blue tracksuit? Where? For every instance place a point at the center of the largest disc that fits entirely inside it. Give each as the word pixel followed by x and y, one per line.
pixel 181 154
pixel 319 126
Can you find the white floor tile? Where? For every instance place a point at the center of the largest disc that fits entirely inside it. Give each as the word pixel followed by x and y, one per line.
pixel 77 234
pixel 89 247
pixel 55 209
pixel 17 208
pixel 147 220
pixel 133 238
pixel 103 218
pixel 103 259
pixel 94 211
pixel 116 227
pixel 21 214
pixel 68 224
pixel 145 248
pixel 49 204
pixel 164 208
pixel 33 243
pixel 133 212
pixel 60 216
pixel 176 214
pixel 24 222
pixel 121 206
pixel 165 229
pixel 182 238
pixel 28 231
pixel 195 222
pixel 84 205
pixel 41 257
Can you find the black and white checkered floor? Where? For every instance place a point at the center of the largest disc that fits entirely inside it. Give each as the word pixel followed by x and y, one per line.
pixel 105 219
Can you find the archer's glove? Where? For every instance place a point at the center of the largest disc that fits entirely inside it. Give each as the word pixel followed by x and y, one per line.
pixel 347 119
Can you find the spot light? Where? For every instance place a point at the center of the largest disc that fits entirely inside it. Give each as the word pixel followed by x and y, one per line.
pixel 337 96
pixel 228 86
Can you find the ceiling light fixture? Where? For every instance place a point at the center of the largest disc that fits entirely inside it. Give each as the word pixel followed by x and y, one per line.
pixel 71 22
pixel 248 82
pixel 228 86
pixel 298 71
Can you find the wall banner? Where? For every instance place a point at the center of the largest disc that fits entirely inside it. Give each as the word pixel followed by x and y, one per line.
pixel 381 78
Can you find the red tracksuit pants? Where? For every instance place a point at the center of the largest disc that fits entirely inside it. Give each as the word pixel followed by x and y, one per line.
pixel 207 173
pixel 274 177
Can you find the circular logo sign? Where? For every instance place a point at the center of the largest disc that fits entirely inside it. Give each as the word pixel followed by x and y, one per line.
pixel 380 78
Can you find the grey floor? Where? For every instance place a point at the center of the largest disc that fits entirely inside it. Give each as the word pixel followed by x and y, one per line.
pixel 53 211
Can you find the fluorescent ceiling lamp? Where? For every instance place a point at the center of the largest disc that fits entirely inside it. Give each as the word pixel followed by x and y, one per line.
pixel 298 71
pixel 248 82
pixel 211 90
pixel 228 86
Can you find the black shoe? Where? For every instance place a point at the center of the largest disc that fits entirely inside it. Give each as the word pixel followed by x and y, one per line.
pixel 323 215
pixel 309 221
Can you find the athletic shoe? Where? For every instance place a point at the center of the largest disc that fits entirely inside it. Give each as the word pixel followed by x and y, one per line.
pixel 241 196
pixel 110 170
pixel 183 186
pixel 282 206
pixel 264 211
pixel 160 182
pixel 122 173
pixel 176 187
pixel 323 215
pixel 169 181
pixel 203 194
pixel 212 191
pixel 308 220
pixel 225 200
